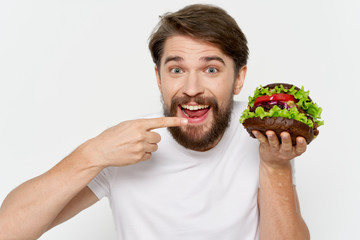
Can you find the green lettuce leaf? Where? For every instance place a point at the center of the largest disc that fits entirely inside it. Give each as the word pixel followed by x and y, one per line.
pixel 311 108
pixel 292 113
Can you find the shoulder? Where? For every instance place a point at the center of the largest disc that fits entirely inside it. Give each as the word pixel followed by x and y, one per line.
pixel 238 108
pixel 236 136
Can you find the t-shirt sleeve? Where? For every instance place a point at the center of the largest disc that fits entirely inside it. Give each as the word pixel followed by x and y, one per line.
pixel 100 184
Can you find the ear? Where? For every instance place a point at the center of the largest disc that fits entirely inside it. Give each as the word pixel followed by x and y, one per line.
pixel 158 77
pixel 239 81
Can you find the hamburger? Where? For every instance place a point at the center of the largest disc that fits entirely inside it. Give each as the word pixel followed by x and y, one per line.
pixel 282 107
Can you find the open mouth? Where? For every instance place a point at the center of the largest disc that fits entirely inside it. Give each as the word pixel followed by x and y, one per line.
pixel 195 113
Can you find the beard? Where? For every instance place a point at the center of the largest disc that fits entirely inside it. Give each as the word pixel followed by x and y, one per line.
pixel 200 137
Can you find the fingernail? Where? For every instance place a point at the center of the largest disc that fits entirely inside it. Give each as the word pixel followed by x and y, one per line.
pixel 184 121
pixel 285 136
pixel 301 140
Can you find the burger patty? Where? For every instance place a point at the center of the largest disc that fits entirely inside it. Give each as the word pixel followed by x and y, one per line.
pixel 267 106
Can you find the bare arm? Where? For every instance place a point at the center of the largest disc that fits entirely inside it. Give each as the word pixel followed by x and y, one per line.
pixel 280 216
pixel 28 211
pixel 55 196
pixel 84 199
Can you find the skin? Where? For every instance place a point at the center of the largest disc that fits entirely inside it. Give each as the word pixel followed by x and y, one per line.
pixel 62 192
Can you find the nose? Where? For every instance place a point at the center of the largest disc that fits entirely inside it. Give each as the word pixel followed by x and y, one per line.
pixel 193 85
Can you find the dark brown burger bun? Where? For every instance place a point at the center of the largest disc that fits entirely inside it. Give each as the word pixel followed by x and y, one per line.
pixel 285 85
pixel 279 125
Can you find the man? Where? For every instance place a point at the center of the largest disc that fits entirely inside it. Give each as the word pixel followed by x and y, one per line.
pixel 205 178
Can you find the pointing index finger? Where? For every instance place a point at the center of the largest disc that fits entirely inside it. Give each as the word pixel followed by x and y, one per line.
pixel 163 122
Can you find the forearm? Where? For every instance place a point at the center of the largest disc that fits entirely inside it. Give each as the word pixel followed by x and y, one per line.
pixel 28 210
pixel 32 208
pixel 280 216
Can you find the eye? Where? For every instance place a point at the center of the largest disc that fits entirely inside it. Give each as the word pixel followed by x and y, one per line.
pixel 176 70
pixel 211 70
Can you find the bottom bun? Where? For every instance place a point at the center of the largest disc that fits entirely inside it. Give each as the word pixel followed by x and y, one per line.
pixel 278 125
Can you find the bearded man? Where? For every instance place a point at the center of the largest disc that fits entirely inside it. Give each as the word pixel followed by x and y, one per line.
pixel 191 172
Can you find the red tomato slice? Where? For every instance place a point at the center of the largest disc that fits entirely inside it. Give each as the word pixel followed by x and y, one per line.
pixel 275 97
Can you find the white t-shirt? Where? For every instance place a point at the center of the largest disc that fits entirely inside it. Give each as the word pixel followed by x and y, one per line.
pixel 187 195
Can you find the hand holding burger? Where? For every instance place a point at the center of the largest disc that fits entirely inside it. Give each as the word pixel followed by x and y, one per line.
pixel 282 107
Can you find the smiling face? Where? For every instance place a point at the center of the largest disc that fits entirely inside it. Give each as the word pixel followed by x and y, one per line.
pixel 197 81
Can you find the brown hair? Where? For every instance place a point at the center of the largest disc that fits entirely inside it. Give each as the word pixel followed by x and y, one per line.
pixel 204 22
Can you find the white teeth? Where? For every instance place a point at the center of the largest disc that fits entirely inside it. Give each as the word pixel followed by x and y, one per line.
pixel 194 108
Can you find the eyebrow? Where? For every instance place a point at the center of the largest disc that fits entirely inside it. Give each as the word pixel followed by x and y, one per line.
pixel 205 59
pixel 173 58
pixel 211 58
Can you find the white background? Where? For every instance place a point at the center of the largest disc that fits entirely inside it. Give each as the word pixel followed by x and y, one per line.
pixel 70 69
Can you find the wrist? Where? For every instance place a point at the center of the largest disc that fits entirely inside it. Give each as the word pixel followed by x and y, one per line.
pixel 87 156
pixel 275 175
pixel 276 166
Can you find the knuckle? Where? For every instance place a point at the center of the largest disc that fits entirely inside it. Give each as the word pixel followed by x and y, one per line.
pixel 129 123
pixel 139 148
pixel 139 156
pixel 300 151
pixel 162 122
pixel 157 137
pixel 136 123
pixel 139 137
pixel 147 156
